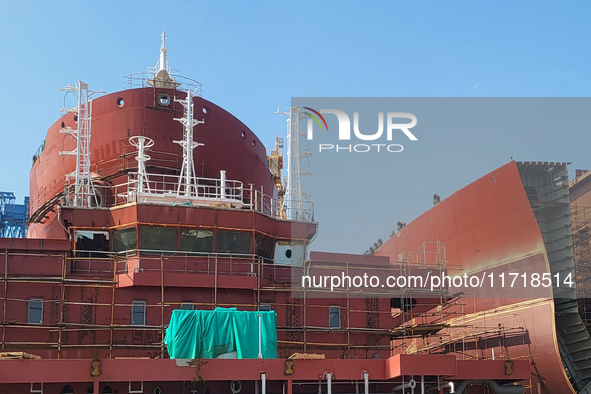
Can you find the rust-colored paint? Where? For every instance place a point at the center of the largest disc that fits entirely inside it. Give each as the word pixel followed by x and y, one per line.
pixel 487 226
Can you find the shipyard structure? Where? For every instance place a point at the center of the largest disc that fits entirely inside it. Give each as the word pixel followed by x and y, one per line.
pixel 162 245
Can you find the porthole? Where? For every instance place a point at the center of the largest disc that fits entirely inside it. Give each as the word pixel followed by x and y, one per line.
pixel 63 125
pixel 164 99
pixel 75 118
pixel 288 253
pixel 243 134
pixel 205 111
pixel 254 142
pixel 120 102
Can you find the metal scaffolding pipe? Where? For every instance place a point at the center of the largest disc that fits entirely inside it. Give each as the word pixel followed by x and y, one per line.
pixel 329 383
pixel 366 382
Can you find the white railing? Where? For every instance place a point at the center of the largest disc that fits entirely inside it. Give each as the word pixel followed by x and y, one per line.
pixel 139 80
pixel 283 209
pixel 211 192
pixel 173 189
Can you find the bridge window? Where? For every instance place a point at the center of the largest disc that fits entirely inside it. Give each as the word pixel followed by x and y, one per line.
pixel 196 241
pixel 187 306
pixel 234 242
pixel 138 313
pixel 125 240
pixel 92 243
pixel 156 239
pixel 35 311
pixel 263 246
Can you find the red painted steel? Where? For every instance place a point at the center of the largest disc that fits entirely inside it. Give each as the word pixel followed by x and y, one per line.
pixel 489 225
pixel 136 370
pixel 88 300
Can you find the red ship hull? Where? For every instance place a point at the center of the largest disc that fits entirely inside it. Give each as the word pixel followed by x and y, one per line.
pixel 92 289
pixel 228 145
pixel 489 226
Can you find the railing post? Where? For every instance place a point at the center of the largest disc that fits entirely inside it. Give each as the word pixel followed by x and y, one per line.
pixel 222 185
pixel 215 290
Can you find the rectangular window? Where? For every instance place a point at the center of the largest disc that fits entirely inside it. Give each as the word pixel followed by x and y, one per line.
pixel 138 313
pixel 264 307
pixel 334 317
pixel 233 242
pixel 263 246
pixel 92 243
pixel 35 311
pixel 125 240
pixel 187 306
pixel 196 241
pixel 156 239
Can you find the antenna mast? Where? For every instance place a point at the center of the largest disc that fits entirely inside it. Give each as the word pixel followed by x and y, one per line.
pixel 293 189
pixel 84 193
pixel 187 177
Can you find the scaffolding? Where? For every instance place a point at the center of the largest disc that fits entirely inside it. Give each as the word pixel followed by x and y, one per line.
pixel 13 216
pixel 441 323
pixel 86 307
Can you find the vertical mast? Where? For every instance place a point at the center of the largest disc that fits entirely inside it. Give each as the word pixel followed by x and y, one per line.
pixel 294 195
pixel 163 61
pixel 84 193
pixel 187 177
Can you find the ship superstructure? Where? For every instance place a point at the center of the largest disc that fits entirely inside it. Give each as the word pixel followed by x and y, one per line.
pixel 167 201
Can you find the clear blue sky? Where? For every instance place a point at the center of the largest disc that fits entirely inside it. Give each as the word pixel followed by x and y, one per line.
pixel 253 56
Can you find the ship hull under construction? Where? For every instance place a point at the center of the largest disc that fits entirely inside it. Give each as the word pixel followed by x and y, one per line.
pixel 511 222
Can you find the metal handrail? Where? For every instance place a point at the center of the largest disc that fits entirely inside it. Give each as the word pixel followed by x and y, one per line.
pixel 139 80
pixel 165 189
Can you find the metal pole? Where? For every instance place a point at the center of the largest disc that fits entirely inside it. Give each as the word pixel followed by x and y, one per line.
pixel 260 356
pixel 264 383
pixel 215 290
pixel 223 185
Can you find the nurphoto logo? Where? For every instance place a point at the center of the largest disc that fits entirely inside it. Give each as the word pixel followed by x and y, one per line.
pixel 392 125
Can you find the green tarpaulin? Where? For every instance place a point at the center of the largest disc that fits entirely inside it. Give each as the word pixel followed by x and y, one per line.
pixel 209 334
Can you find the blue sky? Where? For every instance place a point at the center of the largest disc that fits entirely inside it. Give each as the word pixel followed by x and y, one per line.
pixel 253 56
